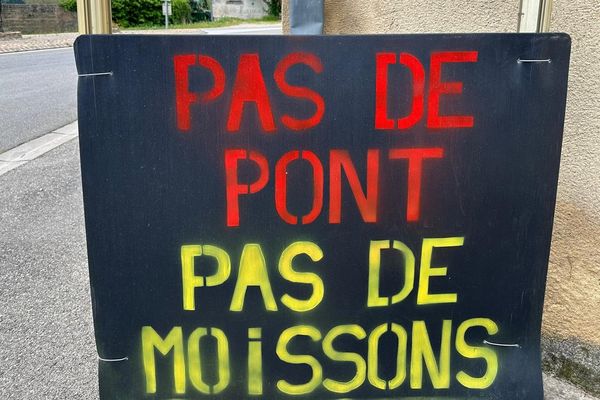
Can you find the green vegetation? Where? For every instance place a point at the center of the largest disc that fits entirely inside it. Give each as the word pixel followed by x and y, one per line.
pixel 208 24
pixel 273 7
pixel 136 12
pixel 182 11
pixel 572 371
pixel 69 5
pixel 187 14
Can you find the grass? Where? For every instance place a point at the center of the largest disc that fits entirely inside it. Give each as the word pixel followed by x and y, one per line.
pixel 222 22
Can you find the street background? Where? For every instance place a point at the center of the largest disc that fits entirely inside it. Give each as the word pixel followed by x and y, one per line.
pixel 47 348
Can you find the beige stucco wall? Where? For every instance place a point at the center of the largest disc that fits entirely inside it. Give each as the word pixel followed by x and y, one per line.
pixel 573 290
pixel 404 16
pixel 573 294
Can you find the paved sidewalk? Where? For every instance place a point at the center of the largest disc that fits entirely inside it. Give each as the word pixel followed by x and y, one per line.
pixel 556 389
pixel 38 42
pixel 59 40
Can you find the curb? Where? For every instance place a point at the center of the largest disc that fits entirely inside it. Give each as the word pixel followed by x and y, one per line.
pixel 33 149
pixel 34 49
pixel 574 362
pixel 10 35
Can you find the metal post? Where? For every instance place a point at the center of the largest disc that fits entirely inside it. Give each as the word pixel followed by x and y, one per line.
pixel 546 16
pixel 306 17
pixel 534 16
pixel 166 12
pixel 1 27
pixel 166 8
pixel 84 20
pixel 94 16
pixel 101 17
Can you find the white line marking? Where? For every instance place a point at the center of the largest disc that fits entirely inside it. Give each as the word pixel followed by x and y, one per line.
pixel 33 149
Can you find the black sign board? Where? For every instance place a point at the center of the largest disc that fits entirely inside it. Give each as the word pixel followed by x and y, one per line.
pixel 352 217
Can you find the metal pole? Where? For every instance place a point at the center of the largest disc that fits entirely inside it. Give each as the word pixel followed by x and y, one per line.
pixel 306 17
pixel 545 16
pixel 94 16
pixel 534 16
pixel 1 27
pixel 84 21
pixel 166 12
pixel 101 17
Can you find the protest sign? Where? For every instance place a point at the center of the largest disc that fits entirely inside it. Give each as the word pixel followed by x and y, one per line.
pixel 320 217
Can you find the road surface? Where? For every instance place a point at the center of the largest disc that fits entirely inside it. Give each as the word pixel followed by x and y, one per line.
pixel 38 93
pixel 38 88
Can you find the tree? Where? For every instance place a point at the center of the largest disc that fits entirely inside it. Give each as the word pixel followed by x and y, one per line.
pixel 273 7
pixel 137 12
pixel 182 11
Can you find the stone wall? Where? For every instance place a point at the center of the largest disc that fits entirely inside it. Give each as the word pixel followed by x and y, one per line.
pixel 244 9
pixel 572 306
pixel 38 18
pixel 55 2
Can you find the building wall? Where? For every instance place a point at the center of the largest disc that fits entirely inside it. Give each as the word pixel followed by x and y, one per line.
pixel 572 307
pixel 37 18
pixel 573 291
pixel 417 16
pixel 245 9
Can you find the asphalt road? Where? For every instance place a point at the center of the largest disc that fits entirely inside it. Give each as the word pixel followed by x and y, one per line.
pixel 38 89
pixel 38 93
